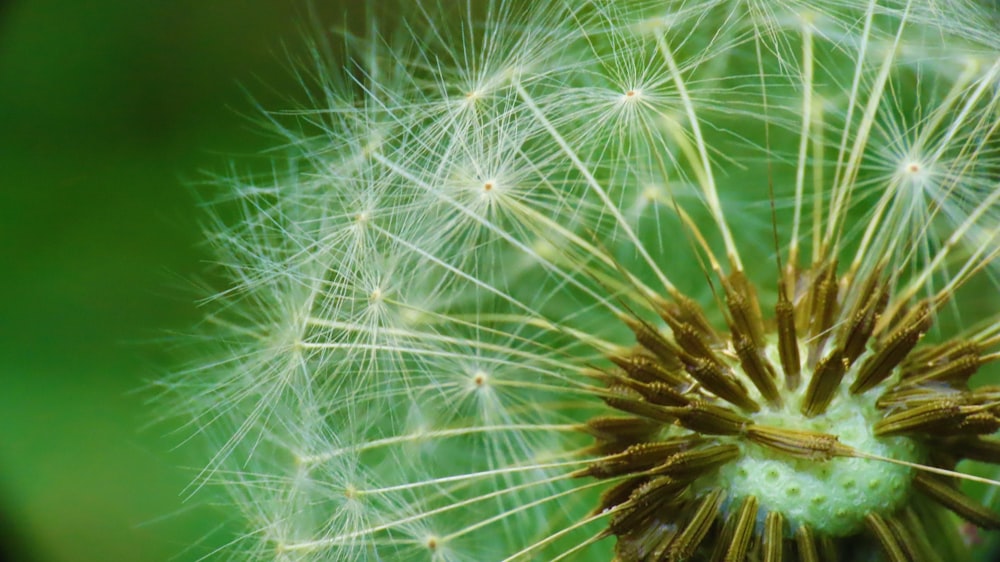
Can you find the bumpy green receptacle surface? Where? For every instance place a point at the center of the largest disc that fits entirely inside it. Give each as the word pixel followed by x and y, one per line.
pixel 830 496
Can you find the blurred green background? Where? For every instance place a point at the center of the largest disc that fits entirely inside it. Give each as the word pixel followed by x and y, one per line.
pixel 109 110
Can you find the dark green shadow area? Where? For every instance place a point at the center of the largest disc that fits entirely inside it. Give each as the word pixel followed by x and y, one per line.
pixel 107 109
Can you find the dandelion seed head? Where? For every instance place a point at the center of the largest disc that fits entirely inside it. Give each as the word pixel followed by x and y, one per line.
pixel 646 280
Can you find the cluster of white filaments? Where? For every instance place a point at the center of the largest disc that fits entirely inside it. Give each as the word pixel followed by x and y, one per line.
pixel 654 280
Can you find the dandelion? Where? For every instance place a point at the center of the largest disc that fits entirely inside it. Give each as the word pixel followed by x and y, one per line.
pixel 643 281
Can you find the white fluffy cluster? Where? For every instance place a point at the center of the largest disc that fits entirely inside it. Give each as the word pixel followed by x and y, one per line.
pixel 421 287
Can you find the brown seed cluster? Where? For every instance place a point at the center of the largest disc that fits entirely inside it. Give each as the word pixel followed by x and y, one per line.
pixel 694 397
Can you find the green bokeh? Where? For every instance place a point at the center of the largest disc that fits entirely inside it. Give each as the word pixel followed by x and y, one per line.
pixel 109 109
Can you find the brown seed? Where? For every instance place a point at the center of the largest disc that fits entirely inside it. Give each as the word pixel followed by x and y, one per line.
pixel 965 507
pixel 939 415
pixel 709 419
pixel 742 318
pixel 919 535
pixel 738 280
pixel 608 428
pixel 906 540
pixel 758 369
pixel 696 527
pixel 955 367
pixel 894 349
pixel 928 357
pixel 805 542
pixel 688 464
pixel 617 494
pixel 824 384
pixel 714 377
pixel 724 538
pixel 979 423
pixel 662 394
pixel 664 491
pixel 746 517
pixel 659 551
pixel 880 529
pixel 655 393
pixel 651 339
pixel 773 540
pixel 988 396
pixel 660 486
pixel 854 338
pixel 912 396
pixel 628 400
pixel 644 542
pixel 973 448
pixel 630 518
pixel 639 457
pixel 788 342
pixel 693 345
pixel 647 369
pixel 824 292
pixel 684 309
pixel 798 443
